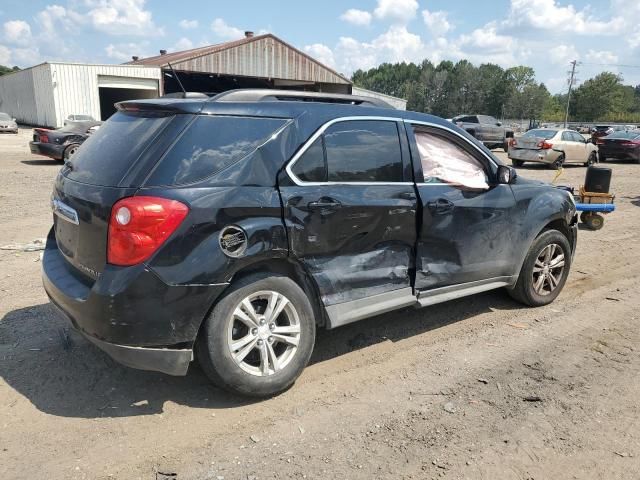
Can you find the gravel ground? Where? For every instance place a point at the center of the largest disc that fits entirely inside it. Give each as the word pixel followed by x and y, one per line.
pixel 475 388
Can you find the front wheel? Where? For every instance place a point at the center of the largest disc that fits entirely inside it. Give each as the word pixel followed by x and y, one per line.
pixel 259 337
pixel 544 271
pixel 70 151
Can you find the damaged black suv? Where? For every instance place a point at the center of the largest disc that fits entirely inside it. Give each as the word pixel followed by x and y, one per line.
pixel 230 229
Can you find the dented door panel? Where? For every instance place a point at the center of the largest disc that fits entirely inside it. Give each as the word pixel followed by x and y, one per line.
pixel 354 240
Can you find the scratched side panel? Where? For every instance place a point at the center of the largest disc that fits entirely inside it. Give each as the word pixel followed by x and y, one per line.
pixel 363 248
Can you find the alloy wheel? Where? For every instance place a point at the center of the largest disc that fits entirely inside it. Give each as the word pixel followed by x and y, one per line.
pixel 263 333
pixel 548 269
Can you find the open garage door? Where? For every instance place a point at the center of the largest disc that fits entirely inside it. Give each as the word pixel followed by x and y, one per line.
pixel 117 89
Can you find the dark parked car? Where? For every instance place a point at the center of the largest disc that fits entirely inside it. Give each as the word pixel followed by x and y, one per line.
pixel 303 211
pixel 8 123
pixel 486 129
pixel 620 146
pixel 61 144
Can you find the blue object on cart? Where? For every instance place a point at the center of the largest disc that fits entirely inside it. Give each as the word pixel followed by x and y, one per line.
pixel 595 207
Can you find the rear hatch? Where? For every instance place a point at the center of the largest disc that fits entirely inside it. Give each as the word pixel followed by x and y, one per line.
pixel 110 165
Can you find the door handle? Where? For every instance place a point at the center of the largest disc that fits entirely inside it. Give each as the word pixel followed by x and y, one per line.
pixel 324 205
pixel 439 206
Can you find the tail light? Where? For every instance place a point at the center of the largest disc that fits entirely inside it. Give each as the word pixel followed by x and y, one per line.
pixel 513 142
pixel 599 142
pixel 139 226
pixel 544 145
pixel 630 144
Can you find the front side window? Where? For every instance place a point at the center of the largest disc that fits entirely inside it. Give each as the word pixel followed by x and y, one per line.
pixel 363 151
pixel 446 162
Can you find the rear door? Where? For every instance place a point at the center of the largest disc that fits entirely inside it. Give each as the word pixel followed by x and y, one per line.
pixel 350 211
pixel 467 226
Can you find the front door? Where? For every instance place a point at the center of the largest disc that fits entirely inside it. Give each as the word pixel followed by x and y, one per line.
pixel 466 230
pixel 350 212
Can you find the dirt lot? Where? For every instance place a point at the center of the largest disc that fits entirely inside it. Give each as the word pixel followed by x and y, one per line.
pixel 477 388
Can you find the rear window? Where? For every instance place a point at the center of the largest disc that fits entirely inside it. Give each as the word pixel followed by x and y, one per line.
pixel 211 144
pixel 541 133
pixel 106 156
pixel 625 135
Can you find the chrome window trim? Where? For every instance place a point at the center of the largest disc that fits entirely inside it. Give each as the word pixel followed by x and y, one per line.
pixel 326 125
pixel 319 132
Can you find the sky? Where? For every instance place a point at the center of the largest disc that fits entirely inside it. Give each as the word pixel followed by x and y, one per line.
pixel 346 35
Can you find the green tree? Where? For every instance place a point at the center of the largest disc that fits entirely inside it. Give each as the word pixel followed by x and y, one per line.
pixel 4 70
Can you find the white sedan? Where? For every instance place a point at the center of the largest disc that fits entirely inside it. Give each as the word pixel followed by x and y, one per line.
pixel 555 147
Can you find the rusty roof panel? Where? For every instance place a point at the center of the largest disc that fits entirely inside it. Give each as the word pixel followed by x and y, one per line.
pixel 260 56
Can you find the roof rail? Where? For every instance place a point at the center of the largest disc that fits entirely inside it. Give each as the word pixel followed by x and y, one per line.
pixel 267 95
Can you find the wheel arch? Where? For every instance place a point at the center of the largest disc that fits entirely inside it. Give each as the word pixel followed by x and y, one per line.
pixel 277 266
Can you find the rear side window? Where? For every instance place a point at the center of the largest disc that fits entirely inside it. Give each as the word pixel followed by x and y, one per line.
pixel 211 144
pixel 363 151
pixel 311 167
pixel 106 156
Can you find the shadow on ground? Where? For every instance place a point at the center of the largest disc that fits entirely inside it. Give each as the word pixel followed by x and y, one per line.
pixel 49 162
pixel 62 374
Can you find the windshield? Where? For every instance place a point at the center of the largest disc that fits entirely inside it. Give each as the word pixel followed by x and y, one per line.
pixel 4 116
pixel 541 133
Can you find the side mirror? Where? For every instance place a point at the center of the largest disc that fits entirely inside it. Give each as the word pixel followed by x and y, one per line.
pixel 13 119
pixel 499 124
pixel 506 175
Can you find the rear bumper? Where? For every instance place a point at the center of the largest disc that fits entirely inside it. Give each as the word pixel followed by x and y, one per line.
pixel 50 150
pixel 129 312
pixel 630 154
pixel 540 156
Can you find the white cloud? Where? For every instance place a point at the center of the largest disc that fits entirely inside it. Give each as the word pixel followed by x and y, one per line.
pixel 5 55
pixel 395 45
pixel 322 53
pixel 356 17
pixel 437 22
pixel 17 32
pixel 225 31
pixel 548 15
pixel 183 44
pixel 400 11
pixel 188 24
pixel 122 17
pixel 484 45
pixel 563 54
pixel 122 52
pixel 601 56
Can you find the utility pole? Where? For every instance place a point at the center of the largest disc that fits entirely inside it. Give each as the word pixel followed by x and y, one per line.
pixel 573 72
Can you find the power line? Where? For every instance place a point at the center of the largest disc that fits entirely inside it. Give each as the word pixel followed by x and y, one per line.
pixel 610 65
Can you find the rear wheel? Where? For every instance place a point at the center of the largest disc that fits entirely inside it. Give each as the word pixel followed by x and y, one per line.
pixel 544 271
pixel 559 162
pixel 259 337
pixel 70 151
pixel 505 146
pixel 517 163
pixel 593 158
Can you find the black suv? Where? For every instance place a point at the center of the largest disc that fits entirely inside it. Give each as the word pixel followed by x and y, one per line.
pixel 231 228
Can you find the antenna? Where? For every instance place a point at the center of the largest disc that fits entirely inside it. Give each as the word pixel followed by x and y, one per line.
pixel 178 79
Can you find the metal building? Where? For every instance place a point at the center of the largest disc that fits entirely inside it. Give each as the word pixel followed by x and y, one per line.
pixel 46 94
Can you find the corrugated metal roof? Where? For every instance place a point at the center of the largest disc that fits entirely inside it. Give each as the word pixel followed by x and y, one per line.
pixel 245 57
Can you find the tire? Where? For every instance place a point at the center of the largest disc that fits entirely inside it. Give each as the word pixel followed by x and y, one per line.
pixel 517 163
pixel 505 146
pixel 70 151
pixel 557 165
pixel 255 374
pixel 593 221
pixel 526 291
pixel 592 160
